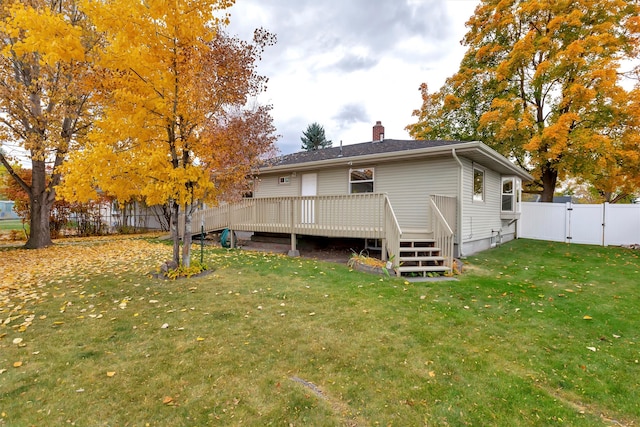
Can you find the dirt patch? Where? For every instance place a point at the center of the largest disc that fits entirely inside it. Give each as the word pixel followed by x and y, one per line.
pixel 321 248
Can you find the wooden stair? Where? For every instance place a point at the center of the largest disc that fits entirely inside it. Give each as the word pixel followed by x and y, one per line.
pixel 420 257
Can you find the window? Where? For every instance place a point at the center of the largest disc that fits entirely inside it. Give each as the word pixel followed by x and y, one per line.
pixel 361 180
pixel 511 188
pixel 508 190
pixel 284 180
pixel 478 185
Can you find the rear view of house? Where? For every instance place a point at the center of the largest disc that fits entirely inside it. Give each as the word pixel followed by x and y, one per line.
pixel 423 202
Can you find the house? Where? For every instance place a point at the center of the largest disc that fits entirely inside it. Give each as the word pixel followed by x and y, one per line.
pixel 421 202
pixel 6 210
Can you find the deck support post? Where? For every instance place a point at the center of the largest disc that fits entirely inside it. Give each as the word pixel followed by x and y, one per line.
pixel 294 251
pixel 232 239
pixel 383 249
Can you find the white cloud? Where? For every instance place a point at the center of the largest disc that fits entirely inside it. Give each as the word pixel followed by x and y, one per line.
pixel 347 64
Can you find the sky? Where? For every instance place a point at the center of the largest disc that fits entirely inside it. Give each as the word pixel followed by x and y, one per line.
pixel 346 64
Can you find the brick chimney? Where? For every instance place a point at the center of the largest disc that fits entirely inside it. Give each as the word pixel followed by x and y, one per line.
pixel 378 131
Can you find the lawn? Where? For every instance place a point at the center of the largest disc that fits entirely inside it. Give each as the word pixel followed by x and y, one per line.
pixel 11 224
pixel 533 333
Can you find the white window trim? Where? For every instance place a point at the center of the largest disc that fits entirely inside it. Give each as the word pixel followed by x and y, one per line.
pixel 516 198
pixel 483 196
pixel 284 180
pixel 512 195
pixel 372 180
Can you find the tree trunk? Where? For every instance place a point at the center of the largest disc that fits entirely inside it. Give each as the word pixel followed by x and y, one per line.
pixel 549 179
pixel 175 235
pixel 40 232
pixel 40 203
pixel 186 247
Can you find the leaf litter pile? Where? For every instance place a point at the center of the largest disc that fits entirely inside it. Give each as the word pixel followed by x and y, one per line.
pixel 28 276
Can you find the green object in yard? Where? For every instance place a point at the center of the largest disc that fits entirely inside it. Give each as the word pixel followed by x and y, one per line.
pixel 225 238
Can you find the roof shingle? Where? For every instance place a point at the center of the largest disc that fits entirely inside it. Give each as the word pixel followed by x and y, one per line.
pixel 355 150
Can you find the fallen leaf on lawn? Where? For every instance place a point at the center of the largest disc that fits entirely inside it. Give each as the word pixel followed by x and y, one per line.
pixel 587 317
pixel 199 339
pixel 616 336
pixel 591 348
pixel 167 400
pixel 432 374
pixel 23 272
pixel 111 374
pixel 17 364
pixel 17 340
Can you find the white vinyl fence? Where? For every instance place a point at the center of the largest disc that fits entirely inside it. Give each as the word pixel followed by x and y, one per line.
pixel 606 224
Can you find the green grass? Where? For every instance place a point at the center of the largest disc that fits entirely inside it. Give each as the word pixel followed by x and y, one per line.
pixel 11 224
pixel 269 340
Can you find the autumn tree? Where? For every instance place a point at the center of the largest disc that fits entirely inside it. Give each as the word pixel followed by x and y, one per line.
pixel 314 138
pixel 22 206
pixel 172 127
pixel 45 46
pixel 15 192
pixel 541 83
pixel 3 180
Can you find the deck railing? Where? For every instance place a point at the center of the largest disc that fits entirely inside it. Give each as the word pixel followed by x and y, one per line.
pixel 367 216
pixel 354 215
pixel 448 208
pixel 442 232
pixel 216 218
pixel 393 234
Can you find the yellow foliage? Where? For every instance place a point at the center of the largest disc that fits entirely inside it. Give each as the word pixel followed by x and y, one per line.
pixel 44 32
pixel 173 127
pixel 540 80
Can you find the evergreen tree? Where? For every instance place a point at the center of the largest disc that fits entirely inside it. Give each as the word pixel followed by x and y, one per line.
pixel 314 138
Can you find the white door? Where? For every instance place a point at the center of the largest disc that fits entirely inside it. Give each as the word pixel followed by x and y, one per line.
pixel 309 188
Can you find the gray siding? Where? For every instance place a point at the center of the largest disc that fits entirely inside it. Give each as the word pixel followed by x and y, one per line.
pixel 330 182
pixel 481 221
pixel 480 218
pixel 409 184
pixel 333 181
pixel 268 185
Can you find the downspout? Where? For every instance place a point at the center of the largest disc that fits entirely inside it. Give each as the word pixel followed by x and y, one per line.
pixel 460 202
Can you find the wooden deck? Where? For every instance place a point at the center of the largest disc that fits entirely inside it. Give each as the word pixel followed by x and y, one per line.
pixel 366 216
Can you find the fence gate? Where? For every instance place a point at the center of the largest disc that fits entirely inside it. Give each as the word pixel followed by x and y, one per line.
pixel 586 224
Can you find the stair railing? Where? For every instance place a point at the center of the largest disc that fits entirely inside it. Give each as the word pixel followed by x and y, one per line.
pixel 392 234
pixel 442 233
